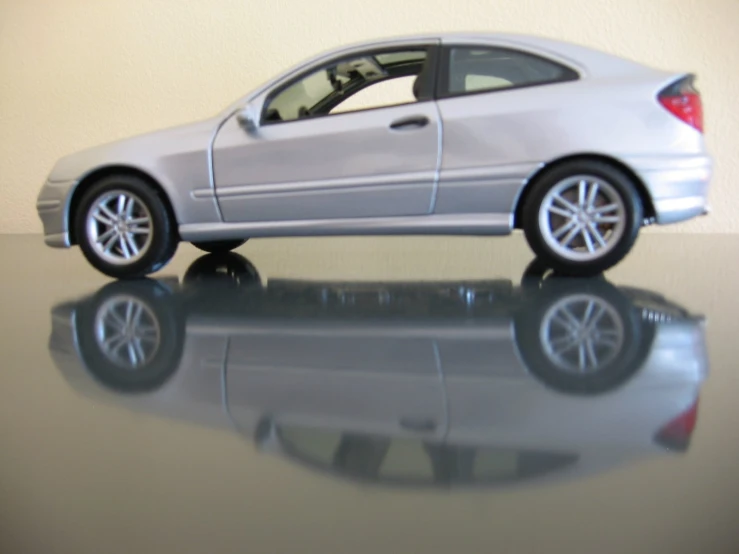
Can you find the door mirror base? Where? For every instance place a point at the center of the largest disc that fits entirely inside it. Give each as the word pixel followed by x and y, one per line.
pixel 247 120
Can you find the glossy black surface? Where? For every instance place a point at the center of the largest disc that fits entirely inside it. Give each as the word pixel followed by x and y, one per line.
pixel 370 395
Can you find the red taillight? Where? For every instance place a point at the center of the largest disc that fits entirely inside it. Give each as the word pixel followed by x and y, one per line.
pixel 676 434
pixel 683 100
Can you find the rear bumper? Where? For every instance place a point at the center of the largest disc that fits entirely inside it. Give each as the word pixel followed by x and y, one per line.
pixel 675 210
pixel 677 185
pixel 52 207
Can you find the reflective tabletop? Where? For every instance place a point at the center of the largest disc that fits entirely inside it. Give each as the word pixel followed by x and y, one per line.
pixel 371 395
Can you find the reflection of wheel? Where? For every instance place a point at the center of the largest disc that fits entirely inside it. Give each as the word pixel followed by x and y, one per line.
pixel 581 336
pixel 227 268
pixel 127 332
pixel 582 217
pixel 124 228
pixel 130 336
pixel 219 246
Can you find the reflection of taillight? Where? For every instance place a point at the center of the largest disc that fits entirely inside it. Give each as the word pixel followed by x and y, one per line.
pixel 676 434
pixel 683 100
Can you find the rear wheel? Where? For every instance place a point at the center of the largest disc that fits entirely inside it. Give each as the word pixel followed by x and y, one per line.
pixel 582 217
pixel 124 228
pixel 222 270
pixel 219 246
pixel 581 336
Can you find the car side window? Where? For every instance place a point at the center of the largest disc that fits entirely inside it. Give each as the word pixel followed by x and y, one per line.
pixel 387 92
pixel 366 81
pixel 471 69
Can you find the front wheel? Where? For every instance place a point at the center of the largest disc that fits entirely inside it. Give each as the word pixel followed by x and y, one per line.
pixel 582 217
pixel 124 228
pixel 130 335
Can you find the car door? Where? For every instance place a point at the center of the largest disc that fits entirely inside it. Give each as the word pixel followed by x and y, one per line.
pixel 501 108
pixel 341 375
pixel 378 162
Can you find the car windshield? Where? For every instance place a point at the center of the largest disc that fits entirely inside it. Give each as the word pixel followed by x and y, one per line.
pixel 305 93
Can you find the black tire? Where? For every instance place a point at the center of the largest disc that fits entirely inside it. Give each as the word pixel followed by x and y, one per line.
pixel 626 190
pixel 617 365
pixel 223 270
pixel 159 310
pixel 538 273
pixel 164 239
pixel 219 246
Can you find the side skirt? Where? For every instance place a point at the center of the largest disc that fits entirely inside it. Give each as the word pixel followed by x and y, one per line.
pixel 444 224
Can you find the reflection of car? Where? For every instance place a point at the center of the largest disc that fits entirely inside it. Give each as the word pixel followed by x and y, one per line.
pixel 449 134
pixel 399 382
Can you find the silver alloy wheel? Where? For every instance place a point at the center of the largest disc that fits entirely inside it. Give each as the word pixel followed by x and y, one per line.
pixel 119 227
pixel 582 218
pixel 581 334
pixel 127 332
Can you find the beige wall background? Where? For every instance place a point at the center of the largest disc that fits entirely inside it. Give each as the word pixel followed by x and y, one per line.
pixel 75 73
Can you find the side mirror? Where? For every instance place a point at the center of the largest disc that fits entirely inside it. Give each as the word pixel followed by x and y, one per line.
pixel 248 120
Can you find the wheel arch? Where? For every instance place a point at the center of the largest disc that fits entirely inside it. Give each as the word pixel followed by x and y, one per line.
pixel 106 171
pixel 644 196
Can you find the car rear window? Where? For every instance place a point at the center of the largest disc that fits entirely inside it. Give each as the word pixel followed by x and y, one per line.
pixel 471 69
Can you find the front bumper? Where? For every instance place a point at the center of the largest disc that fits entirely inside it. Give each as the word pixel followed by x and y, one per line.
pixel 677 185
pixel 52 206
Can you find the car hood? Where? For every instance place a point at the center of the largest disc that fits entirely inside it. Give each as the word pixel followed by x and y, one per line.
pixel 140 151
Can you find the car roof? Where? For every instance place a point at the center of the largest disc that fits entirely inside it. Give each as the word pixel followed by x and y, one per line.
pixel 591 60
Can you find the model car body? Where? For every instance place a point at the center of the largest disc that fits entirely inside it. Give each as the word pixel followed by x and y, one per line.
pixel 577 147
pixel 412 383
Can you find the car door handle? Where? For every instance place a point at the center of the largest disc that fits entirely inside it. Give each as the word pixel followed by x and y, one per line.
pixel 413 122
pixel 418 424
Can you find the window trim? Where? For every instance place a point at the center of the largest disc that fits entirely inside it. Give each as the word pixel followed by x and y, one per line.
pixel 444 62
pixel 293 452
pixel 432 59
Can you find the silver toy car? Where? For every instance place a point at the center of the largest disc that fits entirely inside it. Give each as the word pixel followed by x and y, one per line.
pixel 492 133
